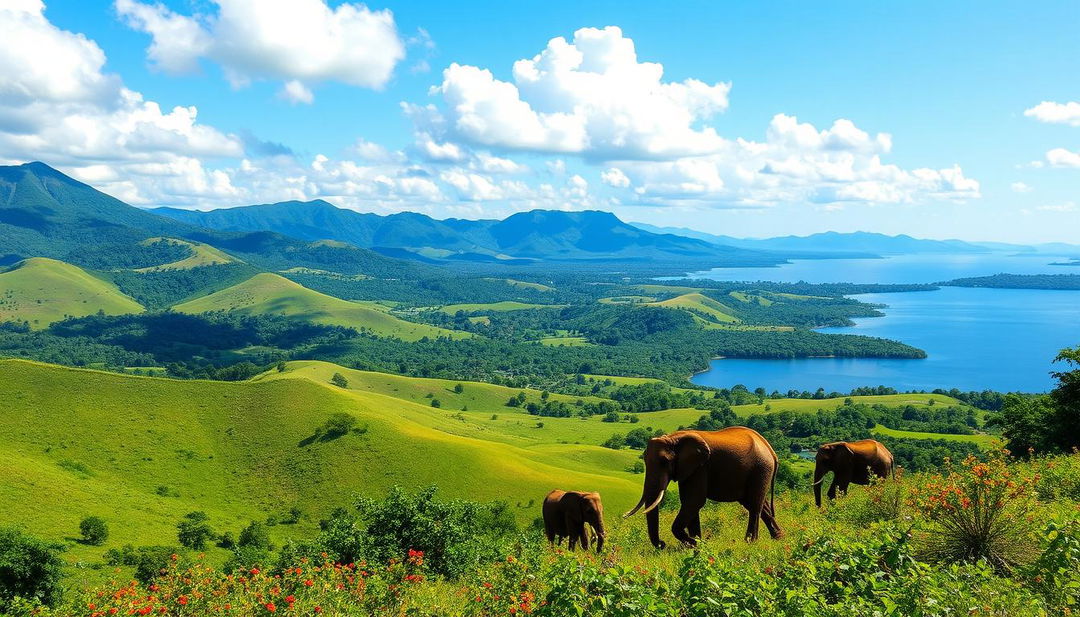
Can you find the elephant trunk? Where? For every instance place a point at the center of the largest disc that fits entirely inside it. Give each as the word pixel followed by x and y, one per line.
pixel 819 476
pixel 598 526
pixel 651 496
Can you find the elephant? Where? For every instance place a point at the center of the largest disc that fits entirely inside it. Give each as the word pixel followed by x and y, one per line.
pixel 732 464
pixel 566 514
pixel 850 461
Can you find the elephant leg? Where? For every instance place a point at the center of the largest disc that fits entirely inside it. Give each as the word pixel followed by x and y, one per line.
pixel 571 528
pixel 768 516
pixel 832 488
pixel 692 495
pixel 583 533
pixel 755 502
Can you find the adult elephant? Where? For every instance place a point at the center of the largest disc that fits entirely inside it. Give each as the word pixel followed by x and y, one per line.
pixel 567 512
pixel 850 461
pixel 733 464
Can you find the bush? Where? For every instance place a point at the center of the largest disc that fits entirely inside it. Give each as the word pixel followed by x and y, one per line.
pixel 1056 573
pixel 255 535
pixel 30 569
pixel 339 424
pixel 149 561
pixel 882 500
pixel 94 531
pixel 339 380
pixel 978 511
pixel 194 531
pixel 436 403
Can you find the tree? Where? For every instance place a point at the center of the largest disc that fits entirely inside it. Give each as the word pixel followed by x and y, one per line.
pixel 436 403
pixel 194 531
pixel 1066 420
pixel 94 530
pixel 255 535
pixel 339 380
pixel 1047 423
pixel 339 423
pixel 29 568
pixel 458 389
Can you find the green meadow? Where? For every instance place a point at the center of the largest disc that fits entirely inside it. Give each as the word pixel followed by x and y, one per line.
pixel 41 291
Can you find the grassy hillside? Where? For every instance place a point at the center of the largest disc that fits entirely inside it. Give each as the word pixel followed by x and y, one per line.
pixel 41 291
pixel 147 450
pixel 505 305
pixel 702 306
pixel 201 255
pixel 268 293
pixel 983 441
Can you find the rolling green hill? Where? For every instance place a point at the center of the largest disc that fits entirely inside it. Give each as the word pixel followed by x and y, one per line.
pixel 146 450
pixel 702 306
pixel 505 305
pixel 201 255
pixel 272 294
pixel 40 291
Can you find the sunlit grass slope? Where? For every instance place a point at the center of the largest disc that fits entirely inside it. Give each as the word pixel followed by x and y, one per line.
pixel 202 255
pixel 41 291
pixel 700 305
pixel 272 294
pixel 983 441
pixel 505 305
pixel 80 442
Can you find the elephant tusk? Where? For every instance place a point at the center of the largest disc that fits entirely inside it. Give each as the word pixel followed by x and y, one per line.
pixel 636 508
pixel 655 503
pixel 819 481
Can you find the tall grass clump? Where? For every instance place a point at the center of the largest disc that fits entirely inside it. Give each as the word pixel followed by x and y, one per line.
pixel 978 511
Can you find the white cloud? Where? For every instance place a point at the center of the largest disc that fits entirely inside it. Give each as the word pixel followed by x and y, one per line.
pixel 1063 207
pixel 590 96
pixel 296 92
pixel 1020 187
pixel 302 42
pixel 614 177
pixel 1056 113
pixel 797 163
pixel 57 105
pixel 1060 157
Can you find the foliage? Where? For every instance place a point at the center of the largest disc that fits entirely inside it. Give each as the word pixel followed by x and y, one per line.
pixel 1045 424
pixel 94 530
pixel 977 511
pixel 148 562
pixel 339 380
pixel 194 531
pixel 30 569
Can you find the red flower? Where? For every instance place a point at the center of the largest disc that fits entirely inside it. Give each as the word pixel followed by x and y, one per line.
pixel 270 607
pixel 309 583
pixel 318 609
pixel 254 571
pixel 182 600
pixel 290 599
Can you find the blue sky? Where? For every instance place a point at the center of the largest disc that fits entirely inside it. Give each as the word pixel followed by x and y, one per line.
pixel 769 118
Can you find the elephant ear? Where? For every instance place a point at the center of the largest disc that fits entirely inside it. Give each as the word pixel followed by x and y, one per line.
pixel 844 457
pixel 691 452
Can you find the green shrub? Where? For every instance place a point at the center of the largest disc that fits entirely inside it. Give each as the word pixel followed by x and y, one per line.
pixel 581 586
pixel 94 530
pixel 149 561
pixel 30 569
pixel 255 535
pixel 339 380
pixel 337 425
pixel 1056 573
pixel 194 531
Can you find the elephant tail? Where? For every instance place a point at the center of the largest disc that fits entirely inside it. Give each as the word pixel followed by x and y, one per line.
pixel 772 489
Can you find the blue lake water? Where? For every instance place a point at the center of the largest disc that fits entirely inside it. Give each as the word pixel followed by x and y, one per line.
pixel 1000 339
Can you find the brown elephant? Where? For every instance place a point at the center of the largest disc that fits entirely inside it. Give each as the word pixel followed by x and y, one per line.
pixel 567 512
pixel 733 464
pixel 850 461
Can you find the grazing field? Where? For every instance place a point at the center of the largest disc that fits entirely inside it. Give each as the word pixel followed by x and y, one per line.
pixel 702 306
pixel 41 291
pixel 498 307
pixel 202 255
pixel 525 284
pixel 809 405
pixel 276 295
pixel 983 441
pixel 564 341
pixel 146 450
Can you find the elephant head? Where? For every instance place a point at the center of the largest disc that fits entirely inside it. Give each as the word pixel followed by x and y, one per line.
pixel 592 512
pixel 667 458
pixel 835 457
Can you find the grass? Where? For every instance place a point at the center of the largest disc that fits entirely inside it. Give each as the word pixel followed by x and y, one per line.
pixel 272 294
pixel 505 305
pixel 627 300
pixel 803 405
pixel 750 298
pixel 202 255
pixel 702 306
pixel 81 442
pixel 565 341
pixel 525 284
pixel 987 442
pixel 41 291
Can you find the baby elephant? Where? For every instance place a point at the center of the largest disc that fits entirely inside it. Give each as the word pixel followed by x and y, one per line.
pixel 567 512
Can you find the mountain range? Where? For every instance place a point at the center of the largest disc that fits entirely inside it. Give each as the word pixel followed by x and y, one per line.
pixel 529 236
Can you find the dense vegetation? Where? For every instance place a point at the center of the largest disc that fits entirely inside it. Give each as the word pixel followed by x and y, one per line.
pixel 1045 423
pixel 1019 281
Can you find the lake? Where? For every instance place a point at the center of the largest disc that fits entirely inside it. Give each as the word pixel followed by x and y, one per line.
pixel 975 339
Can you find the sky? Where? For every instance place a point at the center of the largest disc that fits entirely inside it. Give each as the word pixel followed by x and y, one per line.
pixel 751 119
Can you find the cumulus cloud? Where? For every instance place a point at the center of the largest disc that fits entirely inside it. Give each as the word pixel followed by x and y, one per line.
pixel 1020 187
pixel 302 42
pixel 1060 157
pixel 589 96
pixel 57 105
pixel 614 177
pixel 797 163
pixel 1056 113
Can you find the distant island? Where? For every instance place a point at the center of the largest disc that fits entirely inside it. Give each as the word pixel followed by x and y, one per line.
pixel 1074 262
pixel 1019 281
